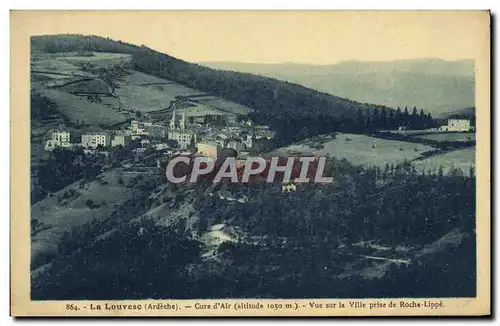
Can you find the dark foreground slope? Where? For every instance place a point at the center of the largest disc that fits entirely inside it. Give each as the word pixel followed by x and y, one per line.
pixel 394 233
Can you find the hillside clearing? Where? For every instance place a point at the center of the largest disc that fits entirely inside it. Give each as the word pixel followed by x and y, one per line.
pixel 226 106
pixel 361 150
pixel 77 108
pixel 55 65
pixel 87 86
pixel 140 79
pixel 99 59
pixel 151 97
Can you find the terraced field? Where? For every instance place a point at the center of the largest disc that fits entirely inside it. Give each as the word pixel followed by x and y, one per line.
pixel 87 95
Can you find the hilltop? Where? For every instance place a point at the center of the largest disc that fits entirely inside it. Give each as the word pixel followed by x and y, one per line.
pixel 466 113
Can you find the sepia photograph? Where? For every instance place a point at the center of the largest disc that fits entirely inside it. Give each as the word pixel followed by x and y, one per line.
pixel 198 163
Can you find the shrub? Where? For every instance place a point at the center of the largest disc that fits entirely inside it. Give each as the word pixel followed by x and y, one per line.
pixel 89 203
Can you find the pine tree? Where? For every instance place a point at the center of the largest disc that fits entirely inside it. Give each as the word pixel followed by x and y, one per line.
pixel 406 117
pixel 368 123
pixel 391 124
pixel 422 119
pixel 375 118
pixel 430 121
pixel 399 118
pixel 414 118
pixel 384 123
pixel 360 120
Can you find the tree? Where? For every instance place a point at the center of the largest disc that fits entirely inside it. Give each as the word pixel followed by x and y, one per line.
pixel 375 118
pixel 398 121
pixel 384 123
pixel 391 120
pixel 414 123
pixel 422 120
pixel 406 117
pixel 368 123
pixel 360 120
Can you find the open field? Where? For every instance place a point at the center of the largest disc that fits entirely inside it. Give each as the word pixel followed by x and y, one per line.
pixel 140 79
pixel 99 58
pixel 48 77
pixel 52 64
pixel 76 107
pixel 202 110
pixel 227 106
pixel 459 136
pixel 86 86
pixel 360 149
pixel 148 98
pixel 462 159
pixel 147 93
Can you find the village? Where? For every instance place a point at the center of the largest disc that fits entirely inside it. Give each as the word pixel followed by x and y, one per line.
pixel 203 136
pixel 158 174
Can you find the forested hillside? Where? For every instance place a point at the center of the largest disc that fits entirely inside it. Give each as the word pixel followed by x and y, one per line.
pixel 310 243
pixel 284 106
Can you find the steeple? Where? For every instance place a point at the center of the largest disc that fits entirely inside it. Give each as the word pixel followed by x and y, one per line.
pixel 172 121
pixel 183 120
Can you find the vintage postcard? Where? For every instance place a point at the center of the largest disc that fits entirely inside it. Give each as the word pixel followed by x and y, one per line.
pixel 250 163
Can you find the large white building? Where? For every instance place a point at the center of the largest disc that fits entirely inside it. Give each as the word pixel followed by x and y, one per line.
pixel 457 125
pixel 178 132
pixel 59 138
pixel 93 140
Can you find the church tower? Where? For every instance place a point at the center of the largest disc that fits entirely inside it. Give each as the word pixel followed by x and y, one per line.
pixel 172 121
pixel 183 120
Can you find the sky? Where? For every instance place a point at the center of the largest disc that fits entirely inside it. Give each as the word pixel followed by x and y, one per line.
pixel 313 37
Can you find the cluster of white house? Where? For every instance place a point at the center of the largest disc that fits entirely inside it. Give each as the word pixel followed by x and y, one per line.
pixel 61 138
pixel 208 140
pixel 207 143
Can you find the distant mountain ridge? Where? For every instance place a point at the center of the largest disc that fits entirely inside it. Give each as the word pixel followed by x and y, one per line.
pixel 435 85
pixel 467 113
